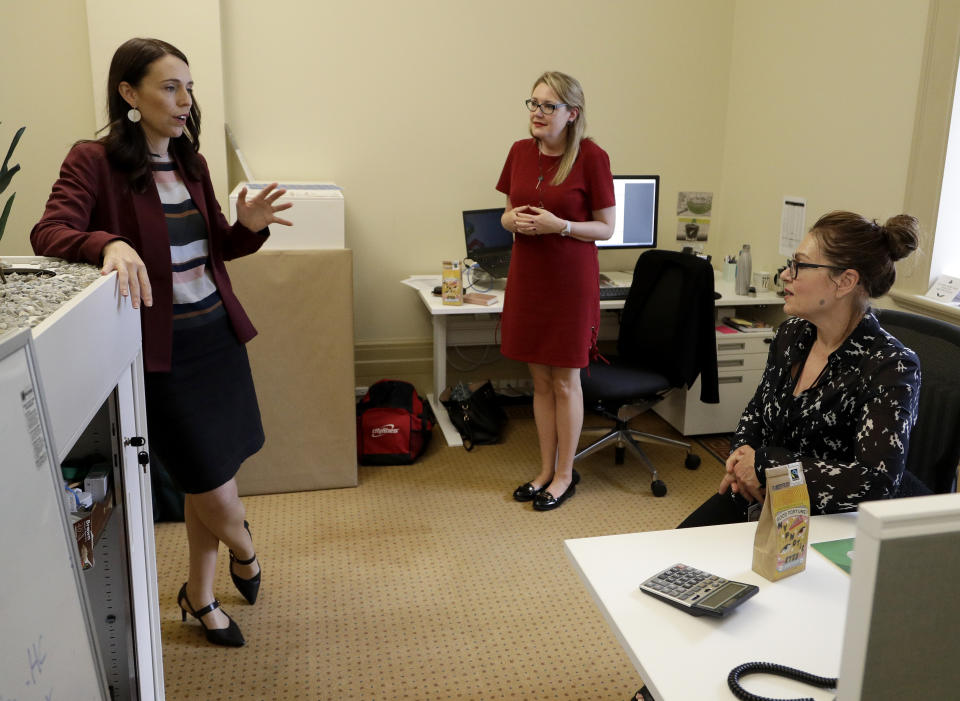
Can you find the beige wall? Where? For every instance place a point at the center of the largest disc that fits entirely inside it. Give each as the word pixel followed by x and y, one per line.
pixel 110 23
pixel 411 108
pixel 63 50
pixel 822 103
pixel 46 87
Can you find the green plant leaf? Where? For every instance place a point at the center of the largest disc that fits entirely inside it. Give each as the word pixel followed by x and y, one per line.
pixel 6 213
pixel 7 175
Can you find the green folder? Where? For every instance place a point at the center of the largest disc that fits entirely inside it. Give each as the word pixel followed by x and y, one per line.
pixel 839 552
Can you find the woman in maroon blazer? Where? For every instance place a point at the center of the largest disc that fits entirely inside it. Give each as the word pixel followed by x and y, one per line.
pixel 139 201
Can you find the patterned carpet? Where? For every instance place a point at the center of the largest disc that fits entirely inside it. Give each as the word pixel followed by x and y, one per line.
pixel 718 445
pixel 427 582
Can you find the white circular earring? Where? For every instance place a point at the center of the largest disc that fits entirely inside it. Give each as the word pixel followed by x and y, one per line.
pixel 133 115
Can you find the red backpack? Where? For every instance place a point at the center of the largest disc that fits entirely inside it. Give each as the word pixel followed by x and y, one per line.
pixel 394 424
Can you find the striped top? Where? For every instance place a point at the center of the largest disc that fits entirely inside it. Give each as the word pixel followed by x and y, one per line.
pixel 196 300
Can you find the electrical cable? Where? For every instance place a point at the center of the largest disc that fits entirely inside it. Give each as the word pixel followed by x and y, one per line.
pixel 483 360
pixel 473 270
pixel 733 679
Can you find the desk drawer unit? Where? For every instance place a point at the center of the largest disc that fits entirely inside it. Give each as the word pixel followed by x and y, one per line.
pixel 740 362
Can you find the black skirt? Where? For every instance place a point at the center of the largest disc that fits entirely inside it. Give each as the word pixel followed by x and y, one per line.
pixel 203 416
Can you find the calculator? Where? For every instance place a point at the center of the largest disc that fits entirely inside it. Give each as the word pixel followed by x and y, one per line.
pixel 697 592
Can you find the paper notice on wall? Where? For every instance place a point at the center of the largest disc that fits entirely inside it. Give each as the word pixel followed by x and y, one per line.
pixel 694 210
pixel 792 224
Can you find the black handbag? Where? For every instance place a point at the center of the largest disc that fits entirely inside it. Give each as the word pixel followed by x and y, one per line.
pixel 475 412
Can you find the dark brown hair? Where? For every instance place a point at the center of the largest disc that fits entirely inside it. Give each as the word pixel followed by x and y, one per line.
pixel 126 144
pixel 852 241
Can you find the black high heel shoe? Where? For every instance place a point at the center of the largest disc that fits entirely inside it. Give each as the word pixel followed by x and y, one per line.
pixel 229 636
pixel 545 501
pixel 249 588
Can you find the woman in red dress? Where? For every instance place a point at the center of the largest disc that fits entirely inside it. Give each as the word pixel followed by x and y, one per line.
pixel 559 202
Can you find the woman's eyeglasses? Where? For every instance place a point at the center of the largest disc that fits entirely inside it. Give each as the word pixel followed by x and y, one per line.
pixel 795 266
pixel 545 107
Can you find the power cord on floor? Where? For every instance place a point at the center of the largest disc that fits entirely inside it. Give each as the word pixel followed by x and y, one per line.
pixel 733 679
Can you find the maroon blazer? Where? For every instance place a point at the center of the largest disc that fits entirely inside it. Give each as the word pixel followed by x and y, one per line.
pixel 92 204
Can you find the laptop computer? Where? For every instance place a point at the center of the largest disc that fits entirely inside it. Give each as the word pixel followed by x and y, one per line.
pixel 488 243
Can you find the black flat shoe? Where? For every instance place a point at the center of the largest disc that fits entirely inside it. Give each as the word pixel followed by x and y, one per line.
pixel 545 501
pixel 527 492
pixel 229 636
pixel 249 588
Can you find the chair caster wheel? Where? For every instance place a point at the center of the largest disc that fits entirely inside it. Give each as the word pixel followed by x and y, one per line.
pixel 692 461
pixel 659 488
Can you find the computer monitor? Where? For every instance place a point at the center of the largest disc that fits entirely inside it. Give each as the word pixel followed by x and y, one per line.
pixel 900 638
pixel 489 245
pixel 637 198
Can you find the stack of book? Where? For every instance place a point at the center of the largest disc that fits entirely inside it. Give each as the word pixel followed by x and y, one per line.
pixel 745 325
pixel 479 298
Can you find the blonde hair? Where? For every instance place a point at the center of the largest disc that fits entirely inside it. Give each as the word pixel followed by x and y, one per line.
pixel 570 92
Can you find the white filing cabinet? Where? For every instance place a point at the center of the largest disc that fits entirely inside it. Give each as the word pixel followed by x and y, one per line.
pixel 90 363
pixel 740 361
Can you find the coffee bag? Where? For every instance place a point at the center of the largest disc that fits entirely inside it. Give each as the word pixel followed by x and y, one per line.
pixel 780 544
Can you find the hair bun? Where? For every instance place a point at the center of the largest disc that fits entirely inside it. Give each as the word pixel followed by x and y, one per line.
pixel 902 234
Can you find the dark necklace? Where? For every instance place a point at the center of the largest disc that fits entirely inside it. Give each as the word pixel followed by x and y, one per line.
pixel 540 167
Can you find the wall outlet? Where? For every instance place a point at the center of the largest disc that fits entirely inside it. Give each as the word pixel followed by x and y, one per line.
pixel 360 391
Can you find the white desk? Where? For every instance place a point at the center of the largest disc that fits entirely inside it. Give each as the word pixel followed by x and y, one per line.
pixel 797 621
pixel 472 324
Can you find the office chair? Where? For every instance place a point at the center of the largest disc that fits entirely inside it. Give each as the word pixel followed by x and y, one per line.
pixel 935 439
pixel 667 338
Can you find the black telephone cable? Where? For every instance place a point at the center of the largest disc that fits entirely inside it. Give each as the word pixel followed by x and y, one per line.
pixel 733 679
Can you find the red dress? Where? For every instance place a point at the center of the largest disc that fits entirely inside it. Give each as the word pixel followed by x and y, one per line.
pixel 551 312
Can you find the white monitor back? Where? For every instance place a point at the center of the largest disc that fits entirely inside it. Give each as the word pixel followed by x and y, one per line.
pixel 902 634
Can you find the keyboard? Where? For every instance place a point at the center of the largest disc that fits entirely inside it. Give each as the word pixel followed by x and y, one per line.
pixel 614 292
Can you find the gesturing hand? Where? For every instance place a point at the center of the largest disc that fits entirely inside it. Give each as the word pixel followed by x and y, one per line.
pixel 259 212
pixel 132 276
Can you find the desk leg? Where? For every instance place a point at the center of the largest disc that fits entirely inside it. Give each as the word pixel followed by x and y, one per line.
pixel 450 433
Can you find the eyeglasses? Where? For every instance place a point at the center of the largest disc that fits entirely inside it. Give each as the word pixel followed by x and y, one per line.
pixel 545 107
pixel 794 266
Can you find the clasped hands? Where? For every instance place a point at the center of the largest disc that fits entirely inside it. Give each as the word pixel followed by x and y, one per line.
pixel 741 477
pixel 534 221
pixel 255 214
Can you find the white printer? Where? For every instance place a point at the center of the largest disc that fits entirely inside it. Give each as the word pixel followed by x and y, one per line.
pixel 317 215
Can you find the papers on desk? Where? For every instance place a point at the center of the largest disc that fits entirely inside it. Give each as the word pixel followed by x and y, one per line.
pixel 745 325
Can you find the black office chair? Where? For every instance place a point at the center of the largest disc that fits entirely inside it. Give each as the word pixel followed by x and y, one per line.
pixel 935 439
pixel 667 338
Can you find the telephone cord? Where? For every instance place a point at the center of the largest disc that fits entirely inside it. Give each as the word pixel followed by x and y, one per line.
pixel 733 679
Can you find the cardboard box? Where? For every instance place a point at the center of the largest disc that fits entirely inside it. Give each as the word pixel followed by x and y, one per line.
pixel 88 525
pixel 301 303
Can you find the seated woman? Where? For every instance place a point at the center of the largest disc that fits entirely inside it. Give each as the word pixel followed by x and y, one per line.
pixel 839 394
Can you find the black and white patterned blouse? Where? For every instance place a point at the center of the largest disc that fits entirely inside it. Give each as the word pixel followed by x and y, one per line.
pixel 851 429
